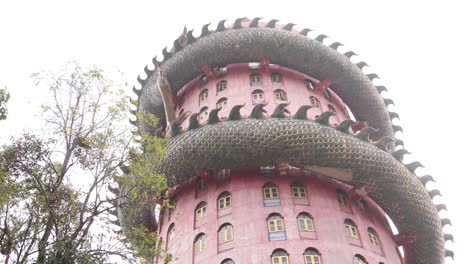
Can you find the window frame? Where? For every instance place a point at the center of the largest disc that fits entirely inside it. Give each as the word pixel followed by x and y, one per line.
pixel 280 95
pixel 224 200
pixel 342 198
pixel 255 79
pixel 222 103
pixel 373 237
pixel 260 97
pixel 225 232
pixel 351 229
pixel 298 191
pixel 270 189
pixel 275 223
pixel 314 258
pixel 203 95
pixel 307 221
pixel 200 243
pixel 201 184
pixel 276 77
pixel 201 211
pixel 331 108
pixel 358 259
pixel 280 256
pixel 221 86
pixel 315 103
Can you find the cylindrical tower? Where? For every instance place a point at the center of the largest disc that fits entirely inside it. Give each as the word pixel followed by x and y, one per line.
pixel 281 150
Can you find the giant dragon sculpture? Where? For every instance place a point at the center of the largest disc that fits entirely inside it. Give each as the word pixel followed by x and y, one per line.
pixel 371 158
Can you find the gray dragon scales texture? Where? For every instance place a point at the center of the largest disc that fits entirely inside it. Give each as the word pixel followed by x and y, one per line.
pixel 372 158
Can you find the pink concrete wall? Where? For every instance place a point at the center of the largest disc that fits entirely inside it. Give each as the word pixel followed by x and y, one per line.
pixel 248 216
pixel 239 92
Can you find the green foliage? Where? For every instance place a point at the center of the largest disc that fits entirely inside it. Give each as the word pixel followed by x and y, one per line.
pixel 4 97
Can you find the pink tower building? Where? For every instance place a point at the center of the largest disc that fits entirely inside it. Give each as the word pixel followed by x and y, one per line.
pixel 282 151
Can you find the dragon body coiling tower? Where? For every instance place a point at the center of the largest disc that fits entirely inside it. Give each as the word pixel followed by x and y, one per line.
pixel 281 150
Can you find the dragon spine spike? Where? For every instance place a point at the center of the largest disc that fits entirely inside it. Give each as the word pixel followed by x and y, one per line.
pixel 205 30
pixel 272 23
pixel 372 76
pixel 321 37
pixel 365 133
pixel 324 118
pixel 382 143
pixel 434 193
pixel 345 125
pixel 177 45
pixel 141 81
pixel 254 22
pixel 445 221
pixel 349 54
pixel 425 179
pixel 441 207
pixel 305 31
pixel 213 116
pixel 289 26
pixel 193 121
pixel 147 71
pixel 335 45
pixel 238 23
pixel 136 91
pixel 361 64
pixel 257 111
pixel 413 166
pixel 190 38
pixel 388 101
pixel 175 129
pixel 280 111
pixel 449 253
pixel 155 62
pixel 166 55
pixel 381 88
pixel 301 113
pixel 399 142
pixel 393 115
pixel 398 154
pixel 234 114
pixel 397 128
pixel 133 122
pixel 221 26
pixel 448 237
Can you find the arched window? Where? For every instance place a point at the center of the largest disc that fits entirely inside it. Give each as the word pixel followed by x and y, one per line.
pixel 228 261
pixel 314 102
pixel 222 103
pixel 331 108
pixel 305 222
pixel 309 84
pixel 351 229
pixel 170 233
pixel 258 97
pixel 275 223
pixel 280 256
pixel 255 79
pixel 203 95
pixel 363 206
pixel 280 95
pixel 298 190
pixel 342 198
pixel 224 200
pixel 276 77
pixel 225 233
pixel 201 211
pixel 270 191
pixel 199 244
pixel 203 115
pixel 312 256
pixel 358 259
pixel 201 184
pixel 221 86
pixel 373 237
pixel 326 93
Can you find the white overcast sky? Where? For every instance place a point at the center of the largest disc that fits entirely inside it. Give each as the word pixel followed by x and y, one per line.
pixel 418 48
